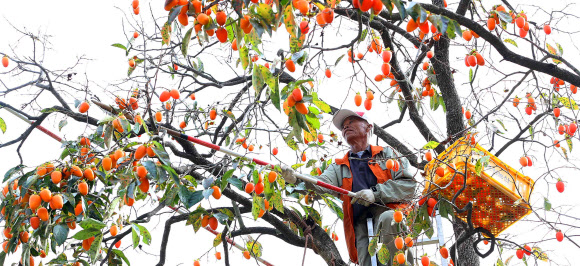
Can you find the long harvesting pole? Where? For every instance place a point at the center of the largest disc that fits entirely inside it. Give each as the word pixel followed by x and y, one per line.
pixel 258 161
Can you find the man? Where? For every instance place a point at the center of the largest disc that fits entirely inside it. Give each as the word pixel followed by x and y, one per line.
pixel 379 191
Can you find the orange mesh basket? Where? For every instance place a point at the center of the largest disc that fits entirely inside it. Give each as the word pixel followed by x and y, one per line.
pixel 496 193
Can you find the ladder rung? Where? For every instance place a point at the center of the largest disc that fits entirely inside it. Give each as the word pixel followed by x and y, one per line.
pixel 428 241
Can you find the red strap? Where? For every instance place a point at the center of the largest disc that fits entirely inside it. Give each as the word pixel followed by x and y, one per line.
pixel 43 129
pixel 331 187
pixel 201 142
pixel 260 162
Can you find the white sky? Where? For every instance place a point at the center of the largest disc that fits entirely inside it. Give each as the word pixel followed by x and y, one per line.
pixel 88 29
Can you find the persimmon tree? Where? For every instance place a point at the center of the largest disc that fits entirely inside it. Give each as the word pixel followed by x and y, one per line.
pixel 261 66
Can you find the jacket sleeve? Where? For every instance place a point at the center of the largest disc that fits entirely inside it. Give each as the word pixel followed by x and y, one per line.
pixel 401 187
pixel 331 176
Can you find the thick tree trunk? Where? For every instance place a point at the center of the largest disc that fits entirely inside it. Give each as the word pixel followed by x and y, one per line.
pixel 454 116
pixel 466 253
pixel 455 125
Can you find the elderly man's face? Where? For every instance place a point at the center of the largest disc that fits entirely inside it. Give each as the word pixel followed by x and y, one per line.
pixel 354 128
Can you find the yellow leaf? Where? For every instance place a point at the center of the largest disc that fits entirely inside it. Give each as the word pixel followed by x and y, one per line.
pixel 540 254
pixel 289 21
pixel 568 103
pixel 553 51
pixel 166 33
pixel 319 5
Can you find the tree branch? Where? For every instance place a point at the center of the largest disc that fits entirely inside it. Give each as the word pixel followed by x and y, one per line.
pixel 501 48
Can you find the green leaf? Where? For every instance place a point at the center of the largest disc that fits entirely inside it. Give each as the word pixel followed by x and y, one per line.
pixel 244 55
pixel 236 182
pixel 338 60
pixel 445 209
pixel 238 5
pixel 185 42
pixel 431 76
pixel 296 43
pixel 451 30
pixel 501 123
pixel 151 169
pixel 363 35
pixel 254 247
pixel 223 216
pixel 560 50
pixel 512 42
pixel 414 10
pixel 313 213
pixel 121 255
pixel 257 80
pixel 300 119
pixel 48 110
pixel 25 255
pixel 276 201
pixel 189 198
pixel 313 111
pixel 118 45
pixel 373 246
pixel 227 176
pixel 161 154
pixel 313 120
pixel 172 173
pixel 86 234
pixel 440 22
pixel 291 143
pixel 569 142
pixel 60 233
pixel 29 181
pixel 383 255
pixel 266 13
pixel 334 207
pixel 135 235
pixel 531 131
pixel 499 262
pixel 457 27
pixel 547 204
pixel 94 250
pixel 90 223
pixel 217 240
pixel 471 75
pixel 273 83
pixel 257 205
pixel 506 17
pixel 481 164
pixel 2 125
pixel 12 171
pixel 144 233
pixel 173 13
pixel 430 145
pixel 401 7
pixel 429 231
pixel 324 107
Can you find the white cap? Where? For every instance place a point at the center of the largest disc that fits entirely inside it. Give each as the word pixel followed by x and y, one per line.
pixel 342 114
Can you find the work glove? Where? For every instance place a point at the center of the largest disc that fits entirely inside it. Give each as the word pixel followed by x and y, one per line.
pixel 288 174
pixel 364 197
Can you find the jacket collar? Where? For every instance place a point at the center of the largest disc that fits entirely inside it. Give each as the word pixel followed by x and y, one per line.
pixel 344 160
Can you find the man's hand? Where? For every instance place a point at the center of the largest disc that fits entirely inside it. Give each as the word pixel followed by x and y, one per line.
pixel 288 174
pixel 364 197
